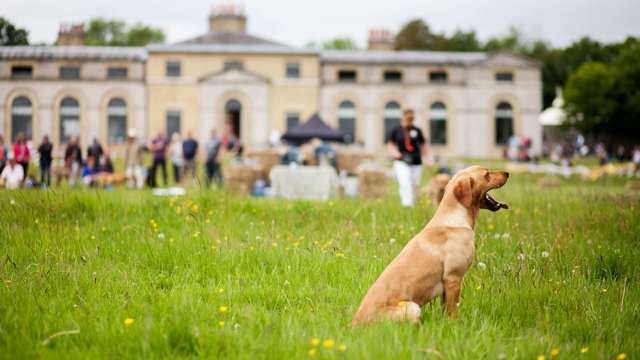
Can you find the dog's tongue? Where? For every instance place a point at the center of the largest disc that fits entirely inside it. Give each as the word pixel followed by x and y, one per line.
pixel 495 204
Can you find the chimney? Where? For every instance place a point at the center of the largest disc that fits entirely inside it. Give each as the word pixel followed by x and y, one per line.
pixel 71 34
pixel 381 40
pixel 227 18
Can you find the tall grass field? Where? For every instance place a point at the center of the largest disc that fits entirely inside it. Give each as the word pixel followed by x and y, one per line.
pixel 90 274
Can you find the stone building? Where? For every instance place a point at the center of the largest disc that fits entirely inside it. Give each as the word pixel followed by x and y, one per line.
pixel 468 104
pixel 65 91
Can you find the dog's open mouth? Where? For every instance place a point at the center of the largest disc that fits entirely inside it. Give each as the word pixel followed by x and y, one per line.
pixel 492 204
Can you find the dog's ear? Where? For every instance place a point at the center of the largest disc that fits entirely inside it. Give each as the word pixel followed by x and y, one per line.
pixel 463 190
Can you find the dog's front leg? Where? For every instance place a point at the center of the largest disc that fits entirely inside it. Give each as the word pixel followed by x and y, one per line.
pixel 451 295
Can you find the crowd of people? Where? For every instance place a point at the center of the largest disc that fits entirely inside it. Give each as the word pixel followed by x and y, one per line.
pixel 96 168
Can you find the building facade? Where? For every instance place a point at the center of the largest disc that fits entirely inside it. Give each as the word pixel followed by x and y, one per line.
pixel 468 104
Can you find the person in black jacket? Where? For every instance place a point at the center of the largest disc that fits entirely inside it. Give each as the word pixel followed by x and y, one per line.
pixel 45 149
pixel 73 160
pixel 407 146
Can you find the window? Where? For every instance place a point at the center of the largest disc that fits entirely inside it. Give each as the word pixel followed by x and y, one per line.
pixel 21 71
pixel 392 76
pixel 438 124
pixel 347 119
pixel 117 73
pixel 21 118
pixel 233 65
pixel 69 119
pixel 504 76
pixel 392 116
pixel 293 119
pixel 173 122
pixel 347 76
pixel 116 121
pixel 293 70
pixel 173 69
pixel 69 72
pixel 504 123
pixel 438 77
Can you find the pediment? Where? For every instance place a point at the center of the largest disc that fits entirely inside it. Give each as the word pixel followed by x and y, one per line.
pixel 233 76
pixel 507 59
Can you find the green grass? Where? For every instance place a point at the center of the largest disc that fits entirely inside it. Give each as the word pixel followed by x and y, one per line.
pixel 86 260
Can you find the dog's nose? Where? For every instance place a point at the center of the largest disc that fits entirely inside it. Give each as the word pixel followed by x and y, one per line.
pixel 506 173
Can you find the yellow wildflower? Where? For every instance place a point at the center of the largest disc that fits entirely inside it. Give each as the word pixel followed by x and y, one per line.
pixel 221 323
pixel 584 349
pixel 220 290
pixel 222 309
pixel 342 347
pixel 128 321
pixel 540 357
pixel 621 356
pixel 555 352
pixel 328 343
pixel 315 342
pixel 312 352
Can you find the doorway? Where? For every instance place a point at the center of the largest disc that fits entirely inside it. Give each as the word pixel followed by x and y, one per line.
pixel 233 112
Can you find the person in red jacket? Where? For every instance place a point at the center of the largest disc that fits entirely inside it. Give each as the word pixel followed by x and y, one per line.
pixel 21 153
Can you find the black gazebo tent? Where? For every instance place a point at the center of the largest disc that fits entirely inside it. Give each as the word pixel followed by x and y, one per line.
pixel 313 128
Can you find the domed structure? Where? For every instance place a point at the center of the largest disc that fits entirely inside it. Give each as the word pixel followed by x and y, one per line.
pixel 554 115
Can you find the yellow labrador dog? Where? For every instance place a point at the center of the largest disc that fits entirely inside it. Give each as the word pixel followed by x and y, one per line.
pixel 434 262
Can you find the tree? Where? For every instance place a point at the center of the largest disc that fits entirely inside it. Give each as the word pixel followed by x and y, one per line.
pixel 339 43
pixel 104 32
pixel 11 35
pixel 141 35
pixel 415 35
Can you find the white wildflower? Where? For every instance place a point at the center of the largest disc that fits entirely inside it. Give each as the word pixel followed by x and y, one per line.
pixel 392 241
pixel 482 265
pixel 506 235
pixel 545 254
pixel 161 236
pixel 521 256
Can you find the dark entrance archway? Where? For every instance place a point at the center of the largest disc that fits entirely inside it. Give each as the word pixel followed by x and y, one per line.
pixel 233 112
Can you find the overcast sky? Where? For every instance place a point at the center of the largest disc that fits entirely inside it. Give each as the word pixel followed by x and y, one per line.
pixel 296 22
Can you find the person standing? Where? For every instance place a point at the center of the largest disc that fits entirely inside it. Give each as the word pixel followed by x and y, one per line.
pixel 212 163
pixel 407 145
pixel 175 152
pixel 159 149
pixel 12 175
pixel 95 150
pixel 73 160
pixel 4 153
pixel 22 154
pixel 189 151
pixel 133 161
pixel 45 149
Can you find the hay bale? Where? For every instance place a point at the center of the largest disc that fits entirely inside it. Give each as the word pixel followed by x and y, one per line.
pixel 372 183
pixel 435 188
pixel 266 159
pixel 549 182
pixel 350 159
pixel 239 178
pixel 632 185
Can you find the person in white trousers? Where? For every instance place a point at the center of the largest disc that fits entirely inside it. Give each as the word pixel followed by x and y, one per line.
pixel 407 145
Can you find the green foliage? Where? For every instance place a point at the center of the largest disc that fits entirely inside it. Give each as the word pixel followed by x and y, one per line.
pixel 339 43
pixel 11 35
pixel 603 96
pixel 104 32
pixel 560 272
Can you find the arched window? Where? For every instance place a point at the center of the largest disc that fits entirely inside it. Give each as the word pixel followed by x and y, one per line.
pixel 233 113
pixel 504 123
pixel 69 119
pixel 116 121
pixel 392 115
pixel 21 118
pixel 438 124
pixel 347 119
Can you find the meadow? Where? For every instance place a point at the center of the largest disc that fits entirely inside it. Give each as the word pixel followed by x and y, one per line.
pixel 125 274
